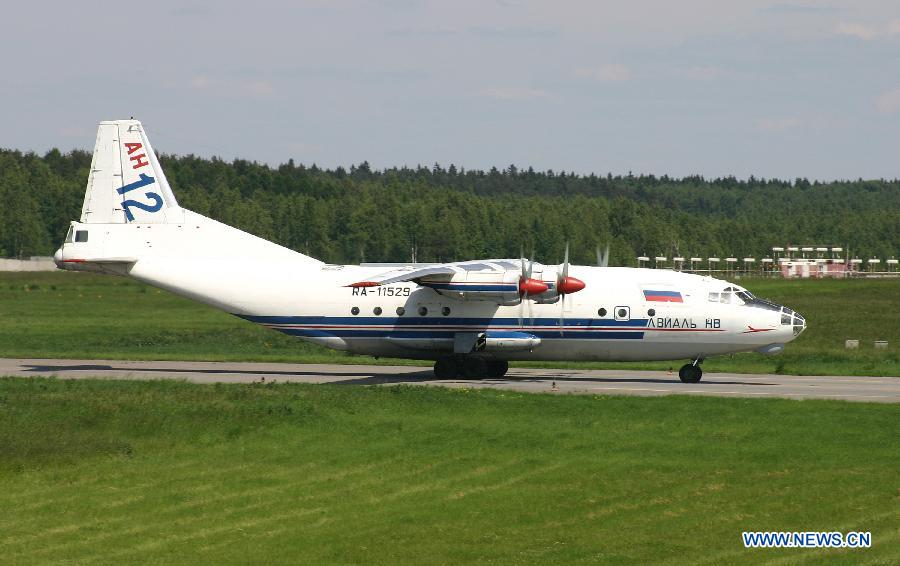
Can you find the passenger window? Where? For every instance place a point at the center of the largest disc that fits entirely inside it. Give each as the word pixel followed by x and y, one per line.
pixel 354 311
pixel 401 311
pixel 81 235
pixel 623 313
pixel 445 311
pixel 601 312
pixel 377 311
pixel 423 311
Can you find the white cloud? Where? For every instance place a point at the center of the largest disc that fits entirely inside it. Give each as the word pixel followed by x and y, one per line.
pixel 703 72
pixel 514 93
pixel 889 102
pixel 800 9
pixel 250 88
pixel 777 125
pixel 199 82
pixel 859 31
pixel 614 72
pixel 258 88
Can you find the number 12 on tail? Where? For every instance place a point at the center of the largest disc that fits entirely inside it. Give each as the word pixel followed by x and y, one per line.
pixel 143 181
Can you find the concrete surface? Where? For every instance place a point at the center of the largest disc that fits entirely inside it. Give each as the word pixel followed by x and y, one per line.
pixel 607 382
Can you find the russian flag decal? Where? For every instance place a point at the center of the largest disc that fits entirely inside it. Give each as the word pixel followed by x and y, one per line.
pixel 663 296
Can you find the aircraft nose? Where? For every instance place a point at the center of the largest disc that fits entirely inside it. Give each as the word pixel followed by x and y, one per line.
pixel 57 258
pixel 792 322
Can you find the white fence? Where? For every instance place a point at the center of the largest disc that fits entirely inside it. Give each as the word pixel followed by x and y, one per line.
pixel 36 263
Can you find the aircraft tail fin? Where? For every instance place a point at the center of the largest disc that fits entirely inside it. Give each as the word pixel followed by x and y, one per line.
pixel 126 183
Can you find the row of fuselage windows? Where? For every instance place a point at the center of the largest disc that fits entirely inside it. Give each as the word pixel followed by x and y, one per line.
pixel 423 311
pixel 622 312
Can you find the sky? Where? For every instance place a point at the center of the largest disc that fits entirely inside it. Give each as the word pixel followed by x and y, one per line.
pixel 763 88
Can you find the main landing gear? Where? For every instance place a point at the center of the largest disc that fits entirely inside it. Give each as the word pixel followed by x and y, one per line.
pixel 469 367
pixel 691 373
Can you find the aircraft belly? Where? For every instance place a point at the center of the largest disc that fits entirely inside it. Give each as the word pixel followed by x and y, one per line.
pixel 554 350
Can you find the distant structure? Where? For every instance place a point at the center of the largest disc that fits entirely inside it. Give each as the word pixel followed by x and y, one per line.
pixel 813 261
pixel 34 263
pixel 791 261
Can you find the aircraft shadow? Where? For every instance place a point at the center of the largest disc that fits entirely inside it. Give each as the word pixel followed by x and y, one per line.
pixel 47 368
pixel 367 378
pixel 427 376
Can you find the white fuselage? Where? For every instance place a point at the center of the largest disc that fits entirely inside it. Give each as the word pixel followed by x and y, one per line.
pixel 271 285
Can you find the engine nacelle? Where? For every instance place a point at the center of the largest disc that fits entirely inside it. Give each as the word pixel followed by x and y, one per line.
pixel 495 341
pixel 501 287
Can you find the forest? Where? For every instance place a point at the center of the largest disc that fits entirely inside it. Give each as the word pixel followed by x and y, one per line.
pixel 448 213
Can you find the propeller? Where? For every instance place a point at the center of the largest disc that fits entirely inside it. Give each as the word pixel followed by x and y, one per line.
pixel 603 257
pixel 528 287
pixel 566 285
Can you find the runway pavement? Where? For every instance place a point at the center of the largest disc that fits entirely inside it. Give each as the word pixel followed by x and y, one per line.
pixel 557 381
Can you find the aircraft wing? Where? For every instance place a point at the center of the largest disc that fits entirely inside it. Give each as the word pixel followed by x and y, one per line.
pixel 439 272
pixel 442 272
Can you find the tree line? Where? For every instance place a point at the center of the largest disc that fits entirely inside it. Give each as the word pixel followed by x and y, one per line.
pixel 448 213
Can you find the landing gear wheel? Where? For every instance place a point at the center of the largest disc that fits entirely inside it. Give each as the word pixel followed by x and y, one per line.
pixel 690 373
pixel 446 368
pixel 497 368
pixel 474 367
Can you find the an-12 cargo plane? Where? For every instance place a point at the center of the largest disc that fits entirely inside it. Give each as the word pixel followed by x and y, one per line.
pixel 470 317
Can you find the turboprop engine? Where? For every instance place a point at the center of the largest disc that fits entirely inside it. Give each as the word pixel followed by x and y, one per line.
pixel 504 287
pixel 508 286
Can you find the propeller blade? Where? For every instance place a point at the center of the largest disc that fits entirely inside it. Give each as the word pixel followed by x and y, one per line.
pixel 531 264
pixel 602 257
pixel 521 311
pixel 565 284
pixel 522 258
pixel 562 314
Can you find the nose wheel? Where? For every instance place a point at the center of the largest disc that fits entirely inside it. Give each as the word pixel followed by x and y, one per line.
pixel 690 373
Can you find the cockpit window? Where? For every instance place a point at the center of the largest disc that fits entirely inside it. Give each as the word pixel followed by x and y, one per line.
pixel 81 235
pixel 714 297
pixel 725 298
pixel 745 296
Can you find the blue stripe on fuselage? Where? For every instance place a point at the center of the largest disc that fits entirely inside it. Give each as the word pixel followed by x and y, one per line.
pixel 449 334
pixel 479 322
pixel 430 327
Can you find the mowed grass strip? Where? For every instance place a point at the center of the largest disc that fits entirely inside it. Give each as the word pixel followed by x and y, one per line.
pixel 173 472
pixel 78 315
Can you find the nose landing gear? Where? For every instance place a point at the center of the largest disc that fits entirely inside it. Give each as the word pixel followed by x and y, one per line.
pixel 691 373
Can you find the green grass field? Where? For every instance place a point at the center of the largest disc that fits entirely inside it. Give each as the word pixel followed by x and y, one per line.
pixel 162 472
pixel 90 316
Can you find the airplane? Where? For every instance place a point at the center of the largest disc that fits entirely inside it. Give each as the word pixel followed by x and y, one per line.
pixel 470 317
